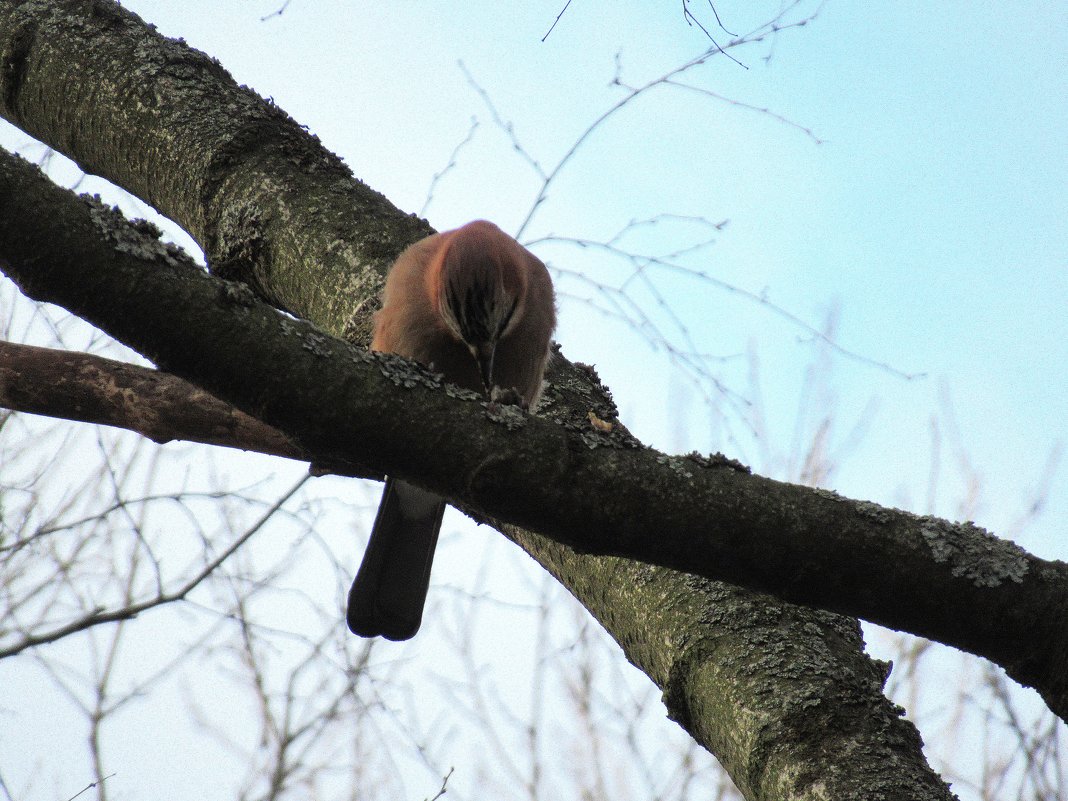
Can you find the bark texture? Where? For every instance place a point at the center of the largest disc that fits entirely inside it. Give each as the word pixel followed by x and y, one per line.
pixel 264 200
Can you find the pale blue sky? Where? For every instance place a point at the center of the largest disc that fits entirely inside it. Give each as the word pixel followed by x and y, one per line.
pixel 934 215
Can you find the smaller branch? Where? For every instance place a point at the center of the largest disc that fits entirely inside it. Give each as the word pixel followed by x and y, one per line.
pixel 158 405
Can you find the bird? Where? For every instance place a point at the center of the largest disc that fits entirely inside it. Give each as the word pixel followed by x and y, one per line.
pixel 476 306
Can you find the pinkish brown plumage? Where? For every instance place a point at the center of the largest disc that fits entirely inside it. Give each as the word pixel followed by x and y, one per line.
pixel 478 307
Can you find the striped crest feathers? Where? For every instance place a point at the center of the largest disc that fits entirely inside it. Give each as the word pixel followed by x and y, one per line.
pixel 481 282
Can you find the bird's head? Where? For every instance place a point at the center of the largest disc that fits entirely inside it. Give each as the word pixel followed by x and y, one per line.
pixel 481 289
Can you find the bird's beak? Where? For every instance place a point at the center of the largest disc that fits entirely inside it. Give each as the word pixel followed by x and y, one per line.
pixel 484 356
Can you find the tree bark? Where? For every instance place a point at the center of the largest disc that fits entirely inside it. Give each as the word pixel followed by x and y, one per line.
pixel 783 695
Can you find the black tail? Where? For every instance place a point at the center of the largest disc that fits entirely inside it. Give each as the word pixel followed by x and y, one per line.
pixel 390 588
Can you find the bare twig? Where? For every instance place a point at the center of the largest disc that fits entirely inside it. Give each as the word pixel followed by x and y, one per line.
pixel 100 615
pixel 642 262
pixel 90 786
pixel 453 160
pixel 504 125
pixel 619 302
pixel 692 20
pixel 759 109
pixel 445 779
pixel 278 12
pixel 562 10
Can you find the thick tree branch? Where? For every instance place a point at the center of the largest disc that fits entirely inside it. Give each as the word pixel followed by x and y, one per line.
pixel 739 670
pixel 951 582
pixel 170 125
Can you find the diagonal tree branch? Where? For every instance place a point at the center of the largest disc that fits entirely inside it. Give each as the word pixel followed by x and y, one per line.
pixel 264 200
pixel 709 646
pixel 951 582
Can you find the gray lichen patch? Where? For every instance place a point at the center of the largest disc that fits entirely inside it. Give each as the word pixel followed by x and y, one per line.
pixel 137 238
pixel 830 495
pixel 510 416
pixel 717 459
pixel 236 293
pixel 873 511
pixel 974 553
pixel 596 439
pixel 674 463
pixel 404 372
pixel 460 393
pixel 317 343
